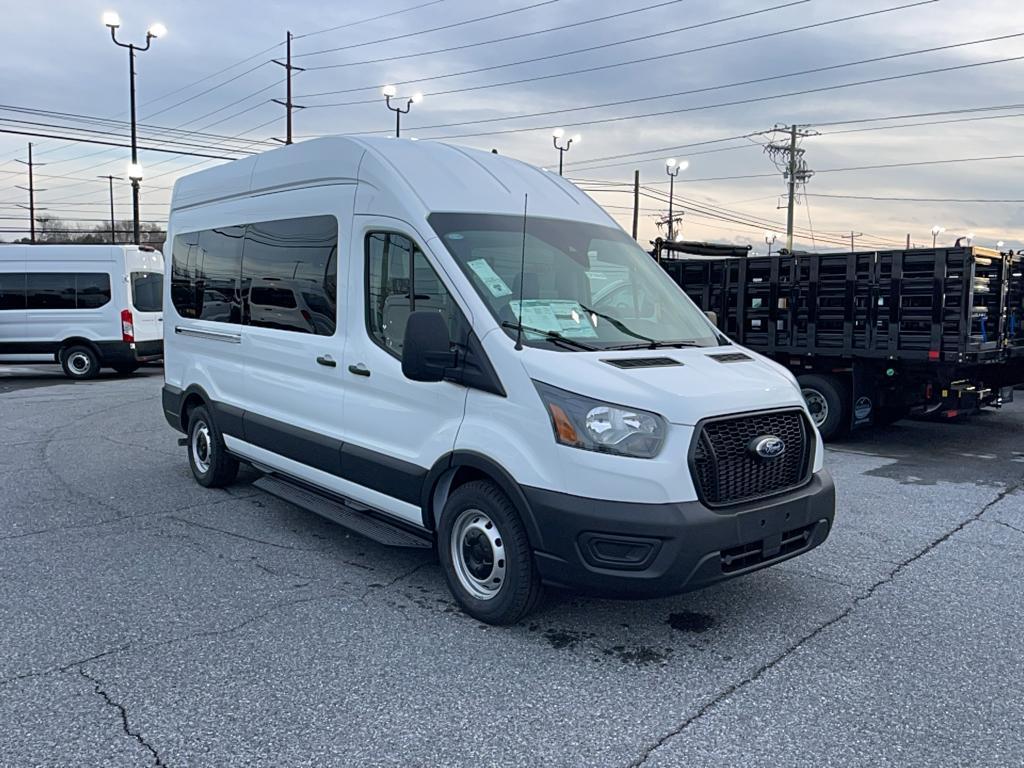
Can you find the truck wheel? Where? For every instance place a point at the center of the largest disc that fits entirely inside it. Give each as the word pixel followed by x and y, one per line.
pixel 125 368
pixel 486 556
pixel 212 465
pixel 79 363
pixel 828 401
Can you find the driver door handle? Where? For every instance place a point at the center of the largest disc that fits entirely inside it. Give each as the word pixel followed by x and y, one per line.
pixel 359 369
pixel 327 360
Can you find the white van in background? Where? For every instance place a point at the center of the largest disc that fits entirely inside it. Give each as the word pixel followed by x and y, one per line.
pixel 83 306
pixel 379 328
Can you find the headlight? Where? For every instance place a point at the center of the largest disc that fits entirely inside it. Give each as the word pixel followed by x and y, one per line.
pixel 592 425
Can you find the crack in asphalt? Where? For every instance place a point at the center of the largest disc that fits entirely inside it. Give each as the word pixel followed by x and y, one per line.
pixel 761 671
pixel 1006 525
pixel 125 725
pixel 242 535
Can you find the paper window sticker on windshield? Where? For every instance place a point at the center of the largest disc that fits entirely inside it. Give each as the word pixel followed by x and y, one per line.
pixel 490 278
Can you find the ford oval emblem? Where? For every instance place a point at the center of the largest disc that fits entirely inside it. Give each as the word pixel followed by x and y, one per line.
pixel 767 447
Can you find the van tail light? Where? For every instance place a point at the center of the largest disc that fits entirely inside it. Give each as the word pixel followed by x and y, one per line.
pixel 127 326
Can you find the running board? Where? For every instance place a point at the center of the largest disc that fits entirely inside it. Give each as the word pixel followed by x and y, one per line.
pixel 364 523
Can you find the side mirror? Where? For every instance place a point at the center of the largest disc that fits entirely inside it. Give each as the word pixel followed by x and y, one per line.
pixel 712 316
pixel 426 350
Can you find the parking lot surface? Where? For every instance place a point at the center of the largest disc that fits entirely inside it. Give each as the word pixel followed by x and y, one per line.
pixel 145 620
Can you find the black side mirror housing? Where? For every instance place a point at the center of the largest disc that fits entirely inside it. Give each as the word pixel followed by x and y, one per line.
pixel 427 349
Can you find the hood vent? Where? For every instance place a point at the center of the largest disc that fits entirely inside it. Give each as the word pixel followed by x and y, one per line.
pixel 642 362
pixel 730 357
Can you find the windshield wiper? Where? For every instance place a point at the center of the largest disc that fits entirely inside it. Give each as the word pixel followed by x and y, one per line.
pixel 622 327
pixel 659 345
pixel 554 336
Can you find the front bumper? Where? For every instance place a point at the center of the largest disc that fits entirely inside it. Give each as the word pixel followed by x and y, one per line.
pixel 623 549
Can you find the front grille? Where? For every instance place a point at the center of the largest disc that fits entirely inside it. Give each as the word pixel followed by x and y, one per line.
pixel 747 555
pixel 725 469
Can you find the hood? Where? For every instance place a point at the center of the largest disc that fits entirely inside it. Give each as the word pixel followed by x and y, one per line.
pixel 695 386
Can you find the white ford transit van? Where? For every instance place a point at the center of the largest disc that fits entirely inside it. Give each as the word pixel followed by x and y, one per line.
pixel 83 306
pixel 377 327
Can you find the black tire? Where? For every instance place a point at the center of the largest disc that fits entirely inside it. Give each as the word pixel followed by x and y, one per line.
pixel 80 362
pixel 126 369
pixel 211 464
pixel 481 516
pixel 827 396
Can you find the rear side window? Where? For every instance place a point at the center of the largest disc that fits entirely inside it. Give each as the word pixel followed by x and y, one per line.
pixel 393 292
pixel 12 290
pixel 218 275
pixel 147 291
pixel 290 275
pixel 66 290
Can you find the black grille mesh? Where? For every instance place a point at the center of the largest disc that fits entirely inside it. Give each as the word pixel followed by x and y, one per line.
pixel 725 470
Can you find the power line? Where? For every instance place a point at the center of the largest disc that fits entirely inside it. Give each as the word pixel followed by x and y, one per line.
pixel 923 199
pixel 453 25
pixel 587 49
pixel 507 38
pixel 113 144
pixel 722 86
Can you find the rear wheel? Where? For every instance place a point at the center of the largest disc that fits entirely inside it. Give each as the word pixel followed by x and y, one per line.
pixel 827 399
pixel 212 466
pixel 79 362
pixel 486 556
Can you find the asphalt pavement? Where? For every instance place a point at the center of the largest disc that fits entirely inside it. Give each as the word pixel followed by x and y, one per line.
pixel 145 620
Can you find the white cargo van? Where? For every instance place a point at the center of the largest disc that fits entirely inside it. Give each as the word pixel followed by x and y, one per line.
pixel 530 394
pixel 83 306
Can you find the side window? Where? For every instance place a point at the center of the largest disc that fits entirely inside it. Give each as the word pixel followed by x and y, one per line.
pixel 290 275
pixel 393 291
pixel 183 273
pixel 50 290
pixel 219 266
pixel 92 290
pixel 12 290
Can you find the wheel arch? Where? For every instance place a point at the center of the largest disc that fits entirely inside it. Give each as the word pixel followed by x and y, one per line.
pixel 191 398
pixel 78 341
pixel 460 467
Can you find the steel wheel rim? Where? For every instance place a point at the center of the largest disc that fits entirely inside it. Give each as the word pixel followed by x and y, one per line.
pixel 817 405
pixel 80 363
pixel 478 554
pixel 201 447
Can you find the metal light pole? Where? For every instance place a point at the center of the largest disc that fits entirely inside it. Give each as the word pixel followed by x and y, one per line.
pixel 672 168
pixel 113 21
pixel 389 93
pixel 113 230
pixel 936 231
pixel 557 134
pixel 769 240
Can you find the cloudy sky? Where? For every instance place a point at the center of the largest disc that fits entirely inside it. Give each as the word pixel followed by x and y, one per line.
pixel 690 95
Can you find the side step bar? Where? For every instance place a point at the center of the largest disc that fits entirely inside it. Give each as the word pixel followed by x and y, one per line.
pixel 363 523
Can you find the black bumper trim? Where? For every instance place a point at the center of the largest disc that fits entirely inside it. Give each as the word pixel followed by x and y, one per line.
pixel 694 540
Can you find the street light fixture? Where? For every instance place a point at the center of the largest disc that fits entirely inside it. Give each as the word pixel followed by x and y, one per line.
pixel 769 239
pixel 556 135
pixel 970 239
pixel 936 231
pixel 1000 244
pixel 113 22
pixel 390 92
pixel 672 168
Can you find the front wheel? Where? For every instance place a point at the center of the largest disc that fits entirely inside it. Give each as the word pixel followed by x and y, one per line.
pixel 486 556
pixel 827 399
pixel 212 465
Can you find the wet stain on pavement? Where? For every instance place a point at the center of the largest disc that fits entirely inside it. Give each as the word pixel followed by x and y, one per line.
pixel 690 621
pixel 639 655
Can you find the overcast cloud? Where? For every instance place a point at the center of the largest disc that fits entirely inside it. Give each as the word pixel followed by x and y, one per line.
pixel 58 56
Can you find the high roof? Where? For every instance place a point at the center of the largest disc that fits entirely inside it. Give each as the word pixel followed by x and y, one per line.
pixel 425 175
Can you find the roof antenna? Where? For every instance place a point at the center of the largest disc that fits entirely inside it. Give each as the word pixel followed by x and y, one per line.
pixel 522 279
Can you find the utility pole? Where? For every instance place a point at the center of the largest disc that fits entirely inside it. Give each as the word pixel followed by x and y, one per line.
pixel 788 157
pixel 113 230
pixel 287 103
pixel 908 241
pixel 31 189
pixel 636 201
pixel 852 236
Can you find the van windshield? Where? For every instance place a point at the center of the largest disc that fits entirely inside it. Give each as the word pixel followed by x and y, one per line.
pixel 147 291
pixel 584 286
